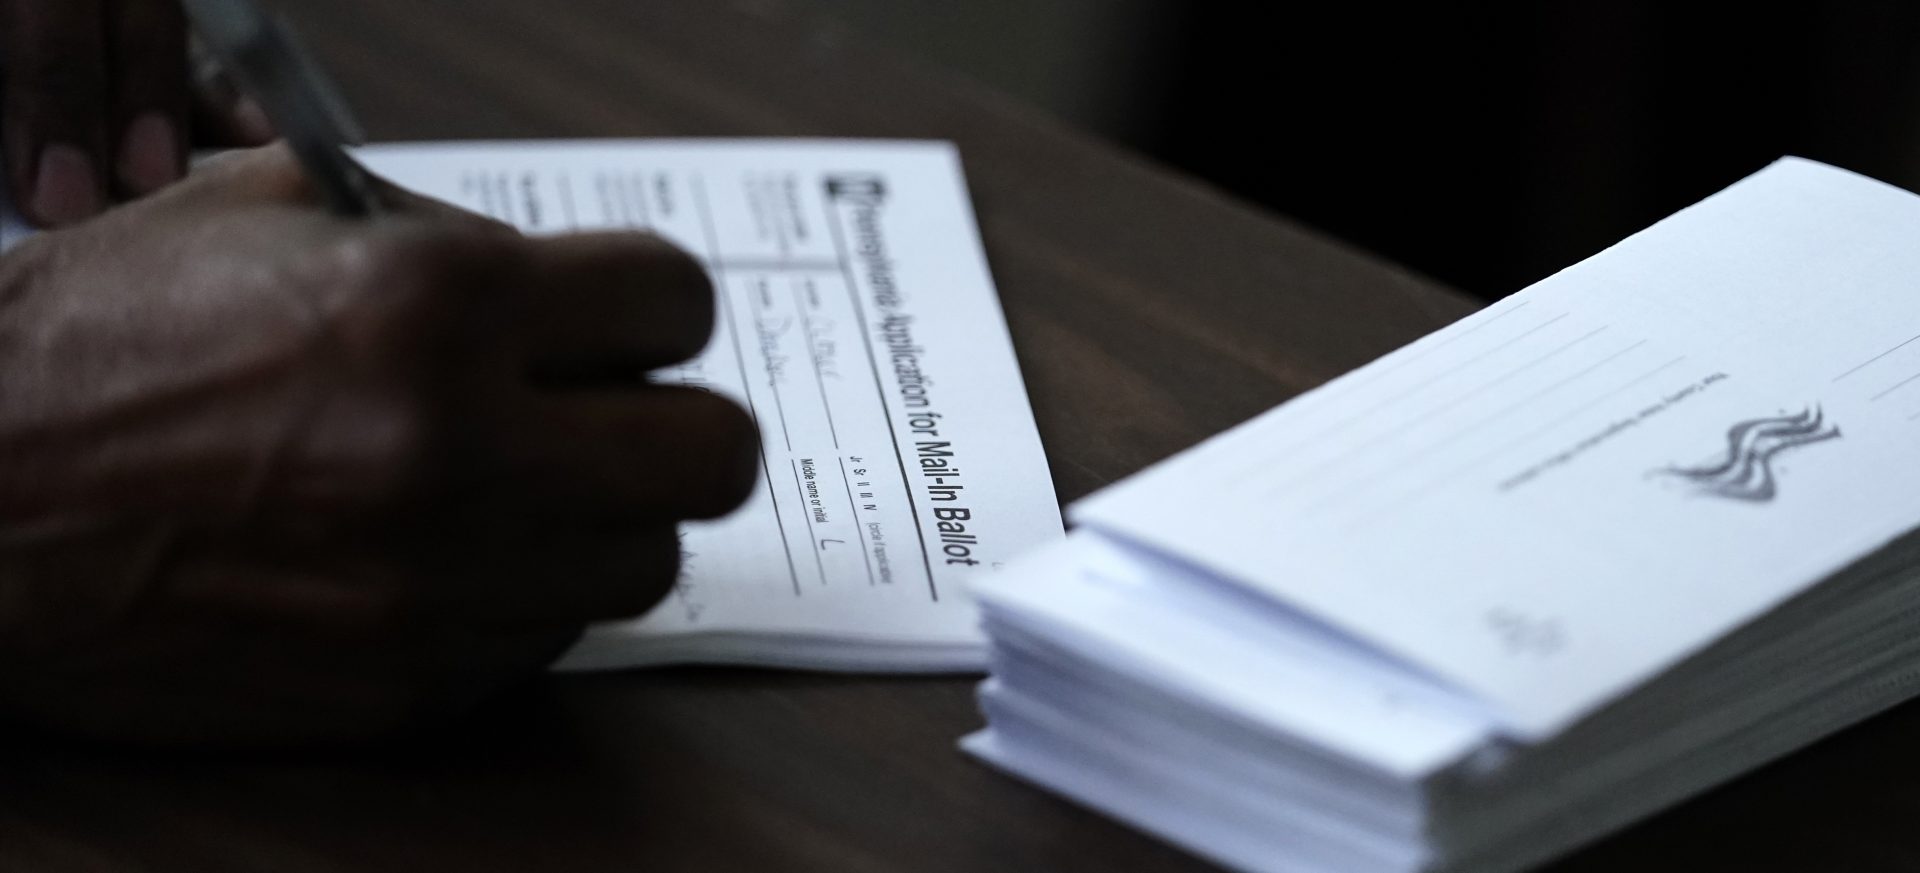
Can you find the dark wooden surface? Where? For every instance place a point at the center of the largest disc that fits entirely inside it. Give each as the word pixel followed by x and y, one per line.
pixel 1148 313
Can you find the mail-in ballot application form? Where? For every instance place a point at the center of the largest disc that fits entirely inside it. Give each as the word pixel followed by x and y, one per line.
pixel 857 321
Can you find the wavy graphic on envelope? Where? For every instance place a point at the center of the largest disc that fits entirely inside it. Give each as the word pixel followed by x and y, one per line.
pixel 1746 473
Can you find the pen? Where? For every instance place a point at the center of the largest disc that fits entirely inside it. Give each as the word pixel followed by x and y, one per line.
pixel 269 65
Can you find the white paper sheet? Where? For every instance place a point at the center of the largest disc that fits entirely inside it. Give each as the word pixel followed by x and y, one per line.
pixel 1135 616
pixel 860 325
pixel 1559 497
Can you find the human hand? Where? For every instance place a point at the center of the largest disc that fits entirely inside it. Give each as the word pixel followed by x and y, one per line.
pixel 271 476
pixel 100 102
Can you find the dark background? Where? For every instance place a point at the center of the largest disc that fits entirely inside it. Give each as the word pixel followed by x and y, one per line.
pixel 1486 144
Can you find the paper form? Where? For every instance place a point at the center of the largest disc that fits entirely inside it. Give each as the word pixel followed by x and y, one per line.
pixel 1553 500
pixel 858 323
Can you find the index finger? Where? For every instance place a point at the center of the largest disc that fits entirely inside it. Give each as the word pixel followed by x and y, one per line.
pixel 148 39
pixel 54 107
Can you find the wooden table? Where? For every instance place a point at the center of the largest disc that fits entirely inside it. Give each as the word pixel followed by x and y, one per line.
pixel 1148 313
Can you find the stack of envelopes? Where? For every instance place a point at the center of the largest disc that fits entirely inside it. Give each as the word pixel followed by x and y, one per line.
pixel 1622 536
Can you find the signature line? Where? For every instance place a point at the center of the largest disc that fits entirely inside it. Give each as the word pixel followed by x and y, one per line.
pixel 1875 358
pixel 1896 386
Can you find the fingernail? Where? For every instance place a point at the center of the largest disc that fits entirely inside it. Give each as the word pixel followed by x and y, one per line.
pixel 150 154
pixel 251 121
pixel 67 189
